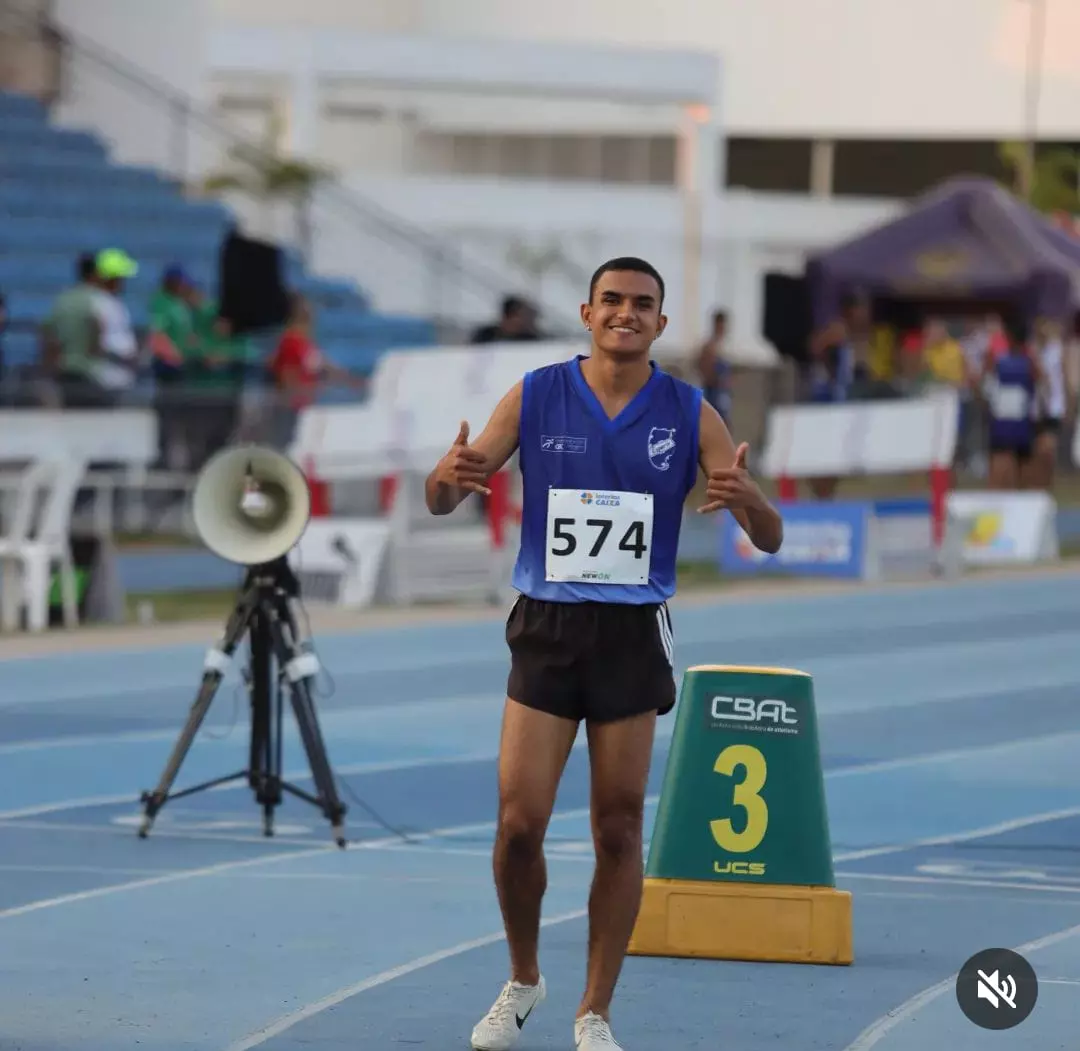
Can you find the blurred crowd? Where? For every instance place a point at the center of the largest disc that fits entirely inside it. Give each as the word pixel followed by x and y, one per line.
pixel 211 386
pixel 208 384
pixel 1017 389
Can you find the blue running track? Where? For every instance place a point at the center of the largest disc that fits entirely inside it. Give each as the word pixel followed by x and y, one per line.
pixel 950 727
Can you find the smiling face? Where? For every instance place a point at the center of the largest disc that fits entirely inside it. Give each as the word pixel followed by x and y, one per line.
pixel 624 314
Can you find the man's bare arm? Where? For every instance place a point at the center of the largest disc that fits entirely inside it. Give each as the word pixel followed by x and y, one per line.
pixel 466 468
pixel 731 486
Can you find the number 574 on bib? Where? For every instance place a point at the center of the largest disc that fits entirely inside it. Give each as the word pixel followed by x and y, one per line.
pixel 598 537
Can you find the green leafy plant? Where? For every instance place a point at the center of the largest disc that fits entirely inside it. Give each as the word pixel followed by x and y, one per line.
pixel 1054 177
pixel 266 176
pixel 266 172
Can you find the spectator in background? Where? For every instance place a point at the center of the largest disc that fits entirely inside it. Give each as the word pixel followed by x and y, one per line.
pixel 838 359
pixel 984 337
pixel 516 323
pixel 84 334
pixel 843 354
pixel 945 365
pixel 173 344
pixel 1010 382
pixel 214 374
pixel 1051 402
pixel 942 357
pixel 70 339
pixel 298 369
pixel 832 363
pixel 116 369
pixel 172 326
pixel 714 371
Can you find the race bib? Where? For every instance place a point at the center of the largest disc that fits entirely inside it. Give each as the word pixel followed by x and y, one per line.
pixel 1010 403
pixel 598 537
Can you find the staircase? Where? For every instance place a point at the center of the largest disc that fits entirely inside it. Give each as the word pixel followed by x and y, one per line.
pixel 60 196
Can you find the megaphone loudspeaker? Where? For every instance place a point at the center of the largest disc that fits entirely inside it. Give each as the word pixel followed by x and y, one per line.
pixel 250 504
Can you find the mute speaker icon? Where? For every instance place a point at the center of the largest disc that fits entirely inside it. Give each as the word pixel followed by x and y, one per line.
pixel 991 989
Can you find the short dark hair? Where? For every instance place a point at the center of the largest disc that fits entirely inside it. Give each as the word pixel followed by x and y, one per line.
pixel 627 262
pixel 513 304
pixel 86 266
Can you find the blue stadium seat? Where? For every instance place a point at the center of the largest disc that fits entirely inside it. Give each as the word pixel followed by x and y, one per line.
pixel 20 350
pixel 61 195
pixel 26 199
pixel 28 119
pixel 42 140
pixel 21 105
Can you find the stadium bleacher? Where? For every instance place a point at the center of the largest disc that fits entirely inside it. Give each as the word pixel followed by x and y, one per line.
pixel 61 195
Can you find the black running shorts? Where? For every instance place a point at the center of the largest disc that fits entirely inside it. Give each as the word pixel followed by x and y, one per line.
pixel 594 661
pixel 1021 450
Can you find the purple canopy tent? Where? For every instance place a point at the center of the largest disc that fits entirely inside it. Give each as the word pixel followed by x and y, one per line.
pixel 967 240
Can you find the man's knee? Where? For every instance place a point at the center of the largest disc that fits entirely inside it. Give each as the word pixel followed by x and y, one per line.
pixel 617 829
pixel 521 831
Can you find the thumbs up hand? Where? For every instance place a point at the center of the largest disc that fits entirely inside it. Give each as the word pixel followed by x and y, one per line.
pixel 732 487
pixel 464 467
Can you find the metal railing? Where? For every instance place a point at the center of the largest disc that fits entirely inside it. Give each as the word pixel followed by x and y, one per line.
pixel 449 279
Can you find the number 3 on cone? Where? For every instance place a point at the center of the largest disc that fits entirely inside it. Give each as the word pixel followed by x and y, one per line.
pixel 747 796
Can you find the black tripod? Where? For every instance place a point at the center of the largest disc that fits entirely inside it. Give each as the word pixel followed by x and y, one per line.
pixel 264 614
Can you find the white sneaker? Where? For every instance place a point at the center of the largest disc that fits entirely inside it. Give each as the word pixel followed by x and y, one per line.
pixel 592 1033
pixel 500 1028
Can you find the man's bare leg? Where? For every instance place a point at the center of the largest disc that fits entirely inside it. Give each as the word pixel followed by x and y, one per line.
pixel 532 756
pixel 620 754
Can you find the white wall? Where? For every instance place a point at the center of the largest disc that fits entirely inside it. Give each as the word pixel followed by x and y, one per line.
pixel 849 67
pixel 168 41
pixel 792 67
pixel 378 15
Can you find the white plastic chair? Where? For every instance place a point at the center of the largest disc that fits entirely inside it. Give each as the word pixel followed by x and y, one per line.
pixel 28 554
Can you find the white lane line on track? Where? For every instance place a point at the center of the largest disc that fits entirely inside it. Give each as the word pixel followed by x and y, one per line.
pixel 953 881
pixel 860 769
pixel 377 767
pixel 179 875
pixel 874 1033
pixel 998 829
pixel 449 834
pixel 288 1021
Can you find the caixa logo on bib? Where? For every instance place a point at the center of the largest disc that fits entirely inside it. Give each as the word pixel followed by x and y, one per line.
pixel 601 499
pixel 755 714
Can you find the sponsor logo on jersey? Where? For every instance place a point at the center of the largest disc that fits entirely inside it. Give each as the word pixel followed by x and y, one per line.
pixel 661 447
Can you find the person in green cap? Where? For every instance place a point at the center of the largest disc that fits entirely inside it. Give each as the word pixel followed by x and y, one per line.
pixel 116 368
pixel 75 341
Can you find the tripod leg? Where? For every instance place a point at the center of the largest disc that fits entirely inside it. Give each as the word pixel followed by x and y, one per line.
pixel 214 667
pixel 299 667
pixel 264 772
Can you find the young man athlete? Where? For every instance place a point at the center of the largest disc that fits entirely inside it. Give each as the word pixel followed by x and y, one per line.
pixel 609 450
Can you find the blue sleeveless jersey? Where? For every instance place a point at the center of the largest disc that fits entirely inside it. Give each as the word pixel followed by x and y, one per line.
pixel 1012 401
pixel 566 441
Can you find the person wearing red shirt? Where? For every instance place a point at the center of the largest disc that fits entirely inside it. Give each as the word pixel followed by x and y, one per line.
pixel 299 370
